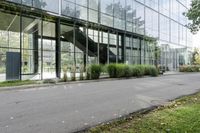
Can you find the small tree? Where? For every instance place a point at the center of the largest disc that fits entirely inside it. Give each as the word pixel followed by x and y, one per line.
pixel 81 76
pixel 157 55
pixel 196 57
pixel 73 73
pixel 65 77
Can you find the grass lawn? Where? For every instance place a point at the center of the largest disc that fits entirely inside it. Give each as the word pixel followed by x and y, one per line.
pixel 180 116
pixel 16 83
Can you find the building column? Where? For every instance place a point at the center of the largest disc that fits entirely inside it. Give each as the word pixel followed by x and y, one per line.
pixel 58 49
pixel 85 51
pixel 108 49
pixel 124 48
pixel 117 58
pixel 98 46
pixel 21 41
pixel 42 55
pixel 140 51
pixel 35 51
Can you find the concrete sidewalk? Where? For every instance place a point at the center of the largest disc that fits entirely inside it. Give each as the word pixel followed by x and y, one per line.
pixel 174 73
pixel 72 107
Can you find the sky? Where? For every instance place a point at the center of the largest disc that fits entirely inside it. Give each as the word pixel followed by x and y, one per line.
pixel 196 40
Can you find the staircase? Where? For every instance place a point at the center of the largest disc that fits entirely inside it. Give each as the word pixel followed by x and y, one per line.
pixel 80 42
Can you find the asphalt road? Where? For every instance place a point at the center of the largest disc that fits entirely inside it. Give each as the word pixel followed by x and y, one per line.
pixel 69 108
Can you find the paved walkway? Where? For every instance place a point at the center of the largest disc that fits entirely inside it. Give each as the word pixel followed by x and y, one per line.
pixel 173 73
pixel 69 108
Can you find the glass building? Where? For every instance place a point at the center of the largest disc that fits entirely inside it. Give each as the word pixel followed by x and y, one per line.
pixel 39 39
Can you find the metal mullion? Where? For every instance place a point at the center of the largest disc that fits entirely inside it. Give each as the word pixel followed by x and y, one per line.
pixel 41 39
pixel 124 47
pixel 86 54
pixel 108 47
pixel 140 43
pixel 20 72
pixel 132 49
pixel 117 48
pixel 86 45
pixel 98 54
pixel 58 49
pixel 99 11
pixel 74 41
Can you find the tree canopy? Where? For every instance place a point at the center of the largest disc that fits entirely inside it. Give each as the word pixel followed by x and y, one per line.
pixel 193 15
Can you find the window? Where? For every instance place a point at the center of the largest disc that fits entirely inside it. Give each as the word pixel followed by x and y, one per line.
pixel 81 2
pixel 152 4
pixel 93 16
pixel 107 7
pixel 81 12
pixel 164 7
pixel 138 18
pixel 151 23
pixel 164 28
pixel 106 20
pixel 93 4
pixel 174 10
pixel 49 5
pixel 68 9
pixel 174 32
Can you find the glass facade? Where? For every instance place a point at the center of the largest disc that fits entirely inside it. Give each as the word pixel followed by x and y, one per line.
pixel 52 35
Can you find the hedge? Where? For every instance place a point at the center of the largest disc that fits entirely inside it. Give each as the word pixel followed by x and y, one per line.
pixel 94 71
pixel 193 68
pixel 122 70
pixel 111 69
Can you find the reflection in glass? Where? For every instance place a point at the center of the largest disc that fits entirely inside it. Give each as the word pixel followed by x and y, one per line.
pixel 68 9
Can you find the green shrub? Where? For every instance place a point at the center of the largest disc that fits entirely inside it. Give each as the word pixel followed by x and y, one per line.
pixel 88 73
pixel 153 71
pixel 120 70
pixel 73 73
pixel 49 81
pixel 94 71
pixel 183 69
pixel 123 70
pixel 147 69
pixel 104 68
pixel 190 69
pixel 133 72
pixel 111 69
pixel 65 78
pixel 73 78
pixel 194 68
pixel 138 71
pixel 81 76
pixel 127 71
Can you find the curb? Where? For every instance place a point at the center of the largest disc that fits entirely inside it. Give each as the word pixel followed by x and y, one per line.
pixel 32 86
